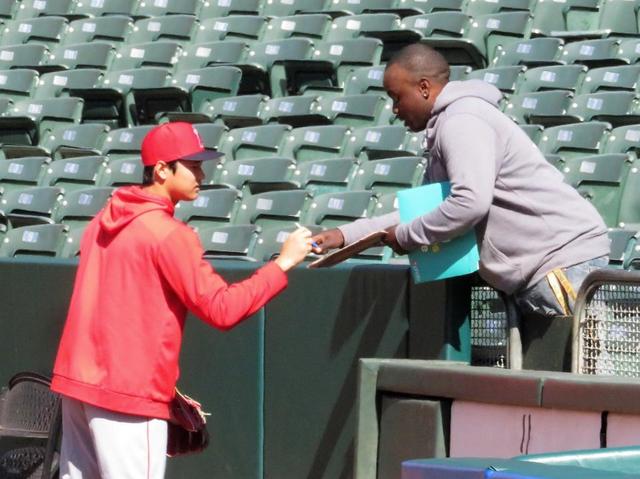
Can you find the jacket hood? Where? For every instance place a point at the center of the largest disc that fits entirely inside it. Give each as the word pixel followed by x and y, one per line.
pixel 462 89
pixel 127 204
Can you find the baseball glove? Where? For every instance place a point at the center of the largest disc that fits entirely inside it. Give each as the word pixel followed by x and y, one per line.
pixel 187 433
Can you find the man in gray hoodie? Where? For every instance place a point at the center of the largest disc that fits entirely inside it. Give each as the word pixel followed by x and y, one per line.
pixel 528 222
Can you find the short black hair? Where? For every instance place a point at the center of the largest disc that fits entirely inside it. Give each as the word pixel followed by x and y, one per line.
pixel 147 173
pixel 422 60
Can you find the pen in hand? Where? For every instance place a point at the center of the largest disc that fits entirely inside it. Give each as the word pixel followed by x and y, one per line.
pixel 314 244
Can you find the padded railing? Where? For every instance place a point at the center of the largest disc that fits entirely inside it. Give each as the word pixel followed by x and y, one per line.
pixel 606 329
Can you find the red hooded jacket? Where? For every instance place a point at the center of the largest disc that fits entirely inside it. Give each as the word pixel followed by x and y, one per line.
pixel 140 271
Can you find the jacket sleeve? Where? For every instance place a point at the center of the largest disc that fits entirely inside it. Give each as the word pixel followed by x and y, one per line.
pixel 360 228
pixel 468 148
pixel 204 292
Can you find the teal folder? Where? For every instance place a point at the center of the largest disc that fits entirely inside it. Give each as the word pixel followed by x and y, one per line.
pixel 456 257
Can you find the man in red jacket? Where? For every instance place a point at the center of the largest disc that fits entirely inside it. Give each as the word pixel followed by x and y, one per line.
pixel 140 271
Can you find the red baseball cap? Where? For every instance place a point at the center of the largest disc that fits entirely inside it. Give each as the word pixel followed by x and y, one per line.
pixel 174 141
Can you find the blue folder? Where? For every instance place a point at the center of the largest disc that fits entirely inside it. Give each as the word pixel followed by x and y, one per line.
pixel 456 257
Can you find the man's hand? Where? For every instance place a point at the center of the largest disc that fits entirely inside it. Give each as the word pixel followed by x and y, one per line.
pixel 327 240
pixel 391 241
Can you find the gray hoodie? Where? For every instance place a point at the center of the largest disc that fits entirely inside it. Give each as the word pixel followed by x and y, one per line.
pixel 527 220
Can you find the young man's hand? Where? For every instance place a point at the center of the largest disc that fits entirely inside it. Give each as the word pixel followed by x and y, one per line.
pixel 327 240
pixel 391 241
pixel 295 249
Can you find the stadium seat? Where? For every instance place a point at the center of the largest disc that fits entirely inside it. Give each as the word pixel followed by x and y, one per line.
pixel 618 108
pixel 114 28
pixel 504 78
pixel 28 206
pixel 271 239
pixel 32 56
pixel 34 240
pixel 248 28
pixel 207 84
pixel 38 8
pixel 121 171
pixel 297 111
pixel 159 8
pixel 365 80
pixel 254 142
pixel 592 53
pixel 201 55
pixel 618 18
pixel 8 9
pixel 41 30
pixel 385 204
pixel 356 110
pixel 254 176
pixel 179 28
pixel 624 139
pixel 444 31
pixel 161 53
pixel 78 207
pixel 18 173
pixel 314 26
pixel 286 8
pixel 385 26
pixel 316 142
pixel 95 54
pixel 237 111
pixel 212 207
pixel 376 142
pixel 211 135
pixel 125 141
pixel 577 139
pixel 427 6
pixel 325 176
pixel 534 132
pixel 61 83
pixel 98 8
pixel 616 78
pixel 567 19
pixel 229 242
pixel 629 51
pixel 71 174
pixel 486 7
pixel 273 208
pixel 552 77
pixel 545 108
pixel 18 84
pixel 629 216
pixel 621 240
pixel 217 8
pixel 70 247
pixel 388 175
pixel 600 179
pixel 68 141
pixel 531 53
pixel 459 72
pixel 333 209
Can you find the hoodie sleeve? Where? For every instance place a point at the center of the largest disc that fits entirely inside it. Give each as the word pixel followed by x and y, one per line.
pixel 204 292
pixel 468 148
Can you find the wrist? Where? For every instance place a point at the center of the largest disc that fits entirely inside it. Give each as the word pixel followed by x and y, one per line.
pixel 284 263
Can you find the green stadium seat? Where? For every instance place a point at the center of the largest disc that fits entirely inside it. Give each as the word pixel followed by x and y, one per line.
pixel 629 216
pixel 229 242
pixel 8 9
pixel 179 28
pixel 316 142
pixel 121 171
pixel 42 30
pixel 333 209
pixel 60 84
pixel 259 175
pixel 611 78
pixel 201 55
pixel 533 52
pixel 207 84
pixel 246 28
pixel 356 110
pixel 18 173
pixel 297 111
pixel 32 56
pixel 237 111
pixel 125 142
pixel 79 206
pixel 271 239
pixel 211 170
pixel 40 8
pixel 618 108
pixel 389 175
pixel 273 208
pixel 223 8
pixel 624 139
pixel 621 240
pixel 104 8
pixel 162 53
pixel 29 206
pixel 159 8
pixel 592 53
pixel 504 78
pixel 600 179
pixel 489 7
pixel 314 26
pixel 546 108
pixel 70 247
pixel 376 142
pixel 115 28
pixel 96 54
pixel 362 25
pixel 212 136
pixel 286 8
pixel 574 19
pixel 429 6
pixel 365 80
pixel 68 141
pixel 325 176
pixel 534 132
pixel 254 142
pixel 36 240
pixel 444 31
pixel 553 77
pixel 18 84
pixel 629 51
pixel 459 72
pixel 576 139
pixel 72 174
pixel 211 207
